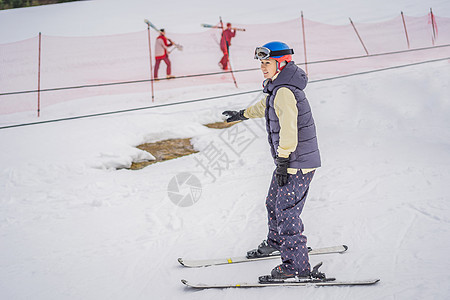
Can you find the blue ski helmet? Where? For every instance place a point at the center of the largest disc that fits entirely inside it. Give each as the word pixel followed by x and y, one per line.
pixel 275 50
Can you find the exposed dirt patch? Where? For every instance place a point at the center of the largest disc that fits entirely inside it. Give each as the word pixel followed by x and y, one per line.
pixel 165 150
pixel 221 125
pixel 173 148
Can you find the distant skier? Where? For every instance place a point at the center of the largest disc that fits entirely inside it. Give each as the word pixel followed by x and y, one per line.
pixel 293 143
pixel 161 53
pixel 225 43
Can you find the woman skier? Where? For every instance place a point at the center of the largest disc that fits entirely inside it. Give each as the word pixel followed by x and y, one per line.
pixel 293 143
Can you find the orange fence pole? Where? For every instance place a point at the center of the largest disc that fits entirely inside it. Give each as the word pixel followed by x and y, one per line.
pixel 433 25
pixel 228 54
pixel 304 44
pixel 404 26
pixel 365 49
pixel 151 63
pixel 39 79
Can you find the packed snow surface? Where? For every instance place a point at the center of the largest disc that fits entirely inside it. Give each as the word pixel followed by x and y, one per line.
pixel 76 224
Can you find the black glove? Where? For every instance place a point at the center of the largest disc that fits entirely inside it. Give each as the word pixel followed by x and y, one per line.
pixel 234 116
pixel 281 172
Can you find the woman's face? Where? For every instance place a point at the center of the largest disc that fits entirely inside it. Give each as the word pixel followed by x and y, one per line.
pixel 268 67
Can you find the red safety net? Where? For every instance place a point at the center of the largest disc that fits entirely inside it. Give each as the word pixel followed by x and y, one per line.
pixel 117 60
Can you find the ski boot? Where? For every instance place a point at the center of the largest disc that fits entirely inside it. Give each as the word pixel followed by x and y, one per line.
pixel 264 250
pixel 282 273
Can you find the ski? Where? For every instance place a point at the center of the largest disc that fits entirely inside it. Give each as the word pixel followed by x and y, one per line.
pixel 177 46
pixel 242 259
pixel 152 25
pixel 219 27
pixel 312 282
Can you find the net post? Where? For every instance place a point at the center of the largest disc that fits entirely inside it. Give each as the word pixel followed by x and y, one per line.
pixel 228 54
pixel 304 43
pixel 39 78
pixel 362 43
pixel 433 26
pixel 151 63
pixel 406 31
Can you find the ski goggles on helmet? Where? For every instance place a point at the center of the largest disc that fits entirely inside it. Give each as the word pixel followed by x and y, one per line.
pixel 266 53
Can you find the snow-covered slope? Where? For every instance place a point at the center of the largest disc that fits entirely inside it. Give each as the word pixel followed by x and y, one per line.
pixel 72 226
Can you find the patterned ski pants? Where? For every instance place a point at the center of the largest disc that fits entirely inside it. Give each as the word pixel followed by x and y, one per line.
pixel 284 206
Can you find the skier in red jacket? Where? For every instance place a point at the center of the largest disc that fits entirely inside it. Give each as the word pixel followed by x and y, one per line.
pixel 161 53
pixel 225 43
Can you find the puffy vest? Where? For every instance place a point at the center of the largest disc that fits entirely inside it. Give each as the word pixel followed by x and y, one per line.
pixel 307 154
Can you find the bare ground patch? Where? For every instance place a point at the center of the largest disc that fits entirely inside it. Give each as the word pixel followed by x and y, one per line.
pixel 165 150
pixel 221 125
pixel 172 148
